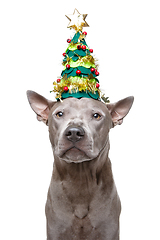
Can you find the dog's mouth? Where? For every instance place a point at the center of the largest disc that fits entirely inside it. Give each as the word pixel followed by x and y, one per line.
pixel 74 154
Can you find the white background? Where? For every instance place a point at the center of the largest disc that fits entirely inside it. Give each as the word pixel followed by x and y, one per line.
pixel 125 36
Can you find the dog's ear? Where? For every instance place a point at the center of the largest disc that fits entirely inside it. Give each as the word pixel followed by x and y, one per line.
pixel 40 105
pixel 120 109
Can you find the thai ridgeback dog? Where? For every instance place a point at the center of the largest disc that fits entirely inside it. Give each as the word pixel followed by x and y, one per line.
pixel 82 200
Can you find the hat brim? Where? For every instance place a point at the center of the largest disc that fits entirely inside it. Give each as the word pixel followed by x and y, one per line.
pixel 83 94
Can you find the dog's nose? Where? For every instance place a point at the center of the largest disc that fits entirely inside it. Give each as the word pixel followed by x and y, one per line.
pixel 74 134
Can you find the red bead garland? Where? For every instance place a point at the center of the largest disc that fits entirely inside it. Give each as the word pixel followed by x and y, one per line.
pixel 85 33
pixel 97 85
pixel 65 88
pixel 97 73
pixel 68 66
pixel 78 72
pixel 92 70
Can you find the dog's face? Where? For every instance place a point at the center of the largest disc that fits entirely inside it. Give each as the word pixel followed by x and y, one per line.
pixel 79 128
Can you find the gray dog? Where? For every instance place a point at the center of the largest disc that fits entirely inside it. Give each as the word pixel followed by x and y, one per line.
pixel 82 199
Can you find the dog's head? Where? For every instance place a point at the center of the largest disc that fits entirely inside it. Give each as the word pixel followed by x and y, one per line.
pixel 79 127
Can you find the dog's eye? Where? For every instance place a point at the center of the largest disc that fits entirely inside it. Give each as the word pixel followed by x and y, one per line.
pixel 97 115
pixel 59 114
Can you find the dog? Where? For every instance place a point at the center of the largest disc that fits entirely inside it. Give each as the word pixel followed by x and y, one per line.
pixel 82 200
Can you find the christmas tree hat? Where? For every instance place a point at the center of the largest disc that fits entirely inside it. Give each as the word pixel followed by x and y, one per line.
pixel 79 76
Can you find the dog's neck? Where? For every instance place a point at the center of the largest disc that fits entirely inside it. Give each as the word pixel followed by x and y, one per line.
pixel 80 181
pixel 90 171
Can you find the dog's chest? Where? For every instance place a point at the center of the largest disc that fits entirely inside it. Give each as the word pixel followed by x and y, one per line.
pixel 79 216
pixel 81 211
pixel 83 223
pixel 79 207
pixel 80 229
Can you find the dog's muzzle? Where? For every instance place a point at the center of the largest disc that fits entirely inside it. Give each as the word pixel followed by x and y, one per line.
pixel 76 145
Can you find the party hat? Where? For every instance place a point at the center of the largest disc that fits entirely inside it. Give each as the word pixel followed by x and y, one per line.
pixel 80 69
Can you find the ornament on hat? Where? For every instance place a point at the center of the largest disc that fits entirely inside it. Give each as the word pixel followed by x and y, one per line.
pixel 77 21
pixel 79 75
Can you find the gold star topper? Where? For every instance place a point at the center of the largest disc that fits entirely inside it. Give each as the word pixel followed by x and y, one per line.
pixel 77 20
